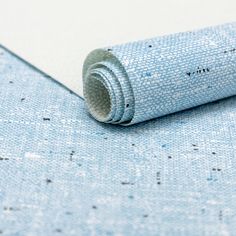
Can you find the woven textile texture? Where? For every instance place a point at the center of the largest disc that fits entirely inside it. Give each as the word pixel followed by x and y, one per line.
pixel 63 173
pixel 142 80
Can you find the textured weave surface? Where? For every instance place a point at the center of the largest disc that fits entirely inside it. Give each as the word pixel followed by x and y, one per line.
pixel 63 173
pixel 159 76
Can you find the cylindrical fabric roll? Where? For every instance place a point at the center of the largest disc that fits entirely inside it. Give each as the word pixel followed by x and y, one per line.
pixel 138 81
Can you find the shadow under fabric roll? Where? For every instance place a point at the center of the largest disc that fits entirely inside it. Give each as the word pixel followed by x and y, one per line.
pixel 142 80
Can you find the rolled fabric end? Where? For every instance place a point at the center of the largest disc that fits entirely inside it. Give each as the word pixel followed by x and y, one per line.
pixel 107 91
pixel 143 80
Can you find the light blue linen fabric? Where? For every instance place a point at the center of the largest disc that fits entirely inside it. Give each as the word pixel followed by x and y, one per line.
pixel 63 173
pixel 142 80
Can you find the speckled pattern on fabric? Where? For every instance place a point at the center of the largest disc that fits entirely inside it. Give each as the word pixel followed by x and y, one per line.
pixel 152 78
pixel 63 173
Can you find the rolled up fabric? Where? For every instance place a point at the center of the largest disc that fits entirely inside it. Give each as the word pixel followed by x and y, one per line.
pixel 138 81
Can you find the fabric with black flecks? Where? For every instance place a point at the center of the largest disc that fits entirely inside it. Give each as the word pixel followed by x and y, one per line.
pixel 63 173
pixel 138 81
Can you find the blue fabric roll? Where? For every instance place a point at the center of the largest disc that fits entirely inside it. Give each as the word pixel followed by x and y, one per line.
pixel 142 80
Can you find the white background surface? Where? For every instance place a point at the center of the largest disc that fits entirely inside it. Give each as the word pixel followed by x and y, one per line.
pixel 56 35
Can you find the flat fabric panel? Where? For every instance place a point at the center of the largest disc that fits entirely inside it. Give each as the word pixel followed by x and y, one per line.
pixel 138 81
pixel 56 35
pixel 63 173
